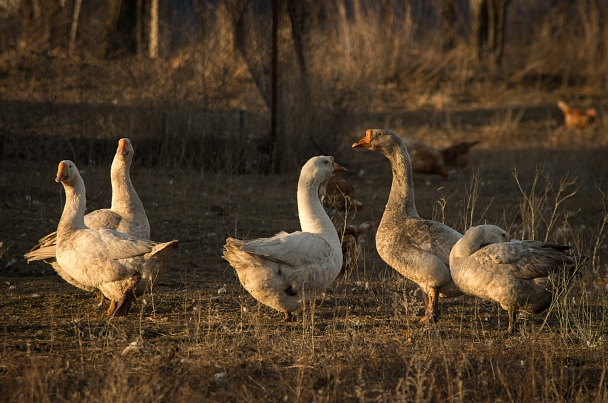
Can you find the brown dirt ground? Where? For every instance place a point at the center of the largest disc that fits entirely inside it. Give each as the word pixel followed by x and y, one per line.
pixel 361 341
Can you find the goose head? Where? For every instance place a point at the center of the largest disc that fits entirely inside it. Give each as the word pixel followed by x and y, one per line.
pixel 477 238
pixel 125 148
pixel 488 234
pixel 384 141
pixel 67 173
pixel 319 169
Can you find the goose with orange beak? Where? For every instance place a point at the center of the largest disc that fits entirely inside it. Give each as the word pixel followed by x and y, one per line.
pixel 288 269
pixel 102 259
pixel 126 214
pixel 417 248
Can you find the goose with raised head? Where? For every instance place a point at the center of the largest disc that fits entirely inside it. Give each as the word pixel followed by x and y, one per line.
pixel 126 214
pixel 417 248
pixel 487 264
pixel 289 268
pixel 103 259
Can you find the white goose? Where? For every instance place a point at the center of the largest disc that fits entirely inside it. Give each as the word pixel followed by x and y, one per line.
pixel 126 214
pixel 286 269
pixel 417 248
pixel 104 259
pixel 515 274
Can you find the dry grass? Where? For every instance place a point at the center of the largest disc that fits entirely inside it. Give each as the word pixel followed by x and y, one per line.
pixel 199 131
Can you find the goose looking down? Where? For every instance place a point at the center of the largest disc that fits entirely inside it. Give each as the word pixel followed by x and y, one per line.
pixel 485 263
pixel 103 259
pixel 126 214
pixel 417 248
pixel 289 268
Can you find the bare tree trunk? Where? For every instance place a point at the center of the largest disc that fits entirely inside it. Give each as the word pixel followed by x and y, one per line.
pixel 298 17
pixel 388 17
pixel 153 40
pixel 448 24
pixel 138 28
pixel 255 54
pixel 201 13
pixel 478 22
pixel 488 29
pixel 274 79
pixel 74 26
pixel 110 25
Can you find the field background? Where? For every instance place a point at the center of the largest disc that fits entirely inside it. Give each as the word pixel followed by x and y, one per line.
pixel 199 119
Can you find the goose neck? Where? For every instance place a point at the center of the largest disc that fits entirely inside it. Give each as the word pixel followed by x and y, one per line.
pixel 465 247
pixel 401 199
pixel 313 217
pixel 72 218
pixel 124 197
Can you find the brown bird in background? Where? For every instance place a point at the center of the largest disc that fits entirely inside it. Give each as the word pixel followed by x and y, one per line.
pixel 425 159
pixel 577 118
pixel 458 155
pixel 337 193
pixel 353 242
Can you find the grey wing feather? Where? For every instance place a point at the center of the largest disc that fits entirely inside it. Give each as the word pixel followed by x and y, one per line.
pixel 526 260
pixel 437 239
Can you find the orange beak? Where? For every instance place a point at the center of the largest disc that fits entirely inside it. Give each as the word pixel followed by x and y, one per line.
pixel 365 142
pixel 337 167
pixel 123 147
pixel 62 172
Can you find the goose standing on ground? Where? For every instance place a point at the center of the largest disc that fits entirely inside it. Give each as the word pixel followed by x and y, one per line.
pixel 126 214
pixel 289 268
pixel 103 259
pixel 419 249
pixel 485 263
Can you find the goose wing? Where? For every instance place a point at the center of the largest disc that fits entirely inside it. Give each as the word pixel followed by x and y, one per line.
pixel 296 249
pixel 523 259
pixel 104 218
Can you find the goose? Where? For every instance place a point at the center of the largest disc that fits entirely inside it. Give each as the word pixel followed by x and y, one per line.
pixel 417 248
pixel 487 264
pixel 289 268
pixel 126 214
pixel 103 259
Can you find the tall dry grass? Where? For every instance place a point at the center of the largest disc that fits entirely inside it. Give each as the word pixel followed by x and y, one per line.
pixel 361 62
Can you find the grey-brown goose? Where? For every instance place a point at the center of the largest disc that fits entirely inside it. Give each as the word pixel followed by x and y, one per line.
pixel 485 263
pixel 417 248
